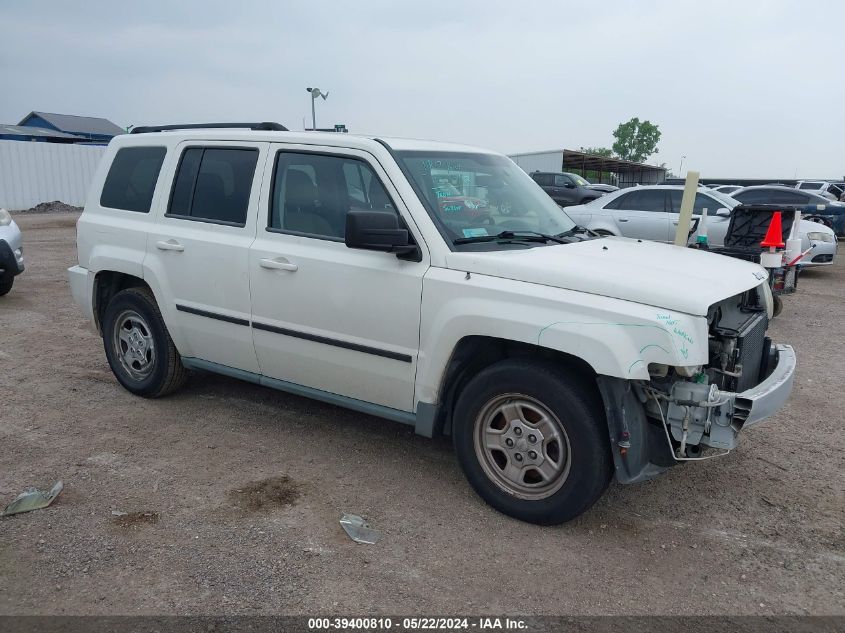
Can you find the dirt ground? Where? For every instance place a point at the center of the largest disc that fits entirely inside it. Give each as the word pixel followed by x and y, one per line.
pixel 233 492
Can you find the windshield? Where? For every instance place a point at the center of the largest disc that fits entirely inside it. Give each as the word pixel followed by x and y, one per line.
pixel 480 195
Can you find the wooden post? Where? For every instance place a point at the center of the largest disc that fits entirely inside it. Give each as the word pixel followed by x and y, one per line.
pixel 687 203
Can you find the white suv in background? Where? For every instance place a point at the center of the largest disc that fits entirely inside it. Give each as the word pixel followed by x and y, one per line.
pixel 380 275
pixel 830 190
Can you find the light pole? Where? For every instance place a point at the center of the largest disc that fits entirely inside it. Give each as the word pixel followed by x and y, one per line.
pixel 681 168
pixel 315 92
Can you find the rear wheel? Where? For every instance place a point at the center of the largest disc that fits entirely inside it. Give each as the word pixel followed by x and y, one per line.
pixel 532 441
pixel 7 280
pixel 138 347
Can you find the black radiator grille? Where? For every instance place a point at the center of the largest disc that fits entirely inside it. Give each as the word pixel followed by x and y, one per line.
pixel 751 346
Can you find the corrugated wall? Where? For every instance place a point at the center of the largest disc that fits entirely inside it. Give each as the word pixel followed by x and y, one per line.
pixel 31 173
pixel 539 161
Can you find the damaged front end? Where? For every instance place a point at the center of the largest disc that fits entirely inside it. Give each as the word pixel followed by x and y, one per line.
pixel 681 412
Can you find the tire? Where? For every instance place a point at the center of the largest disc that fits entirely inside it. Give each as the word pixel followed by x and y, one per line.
pixel 515 401
pixel 777 305
pixel 139 349
pixel 6 282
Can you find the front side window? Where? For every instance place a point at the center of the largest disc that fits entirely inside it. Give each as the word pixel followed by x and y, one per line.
pixel 578 180
pixel 312 193
pixel 479 196
pixel 562 181
pixel 132 178
pixel 213 185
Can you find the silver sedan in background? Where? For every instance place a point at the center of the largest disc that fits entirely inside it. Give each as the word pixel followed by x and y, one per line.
pixel 11 252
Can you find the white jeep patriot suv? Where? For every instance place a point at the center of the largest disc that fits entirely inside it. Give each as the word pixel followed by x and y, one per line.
pixel 379 275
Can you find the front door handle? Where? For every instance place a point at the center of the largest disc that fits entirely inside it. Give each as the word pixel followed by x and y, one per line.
pixel 623 219
pixel 170 245
pixel 279 263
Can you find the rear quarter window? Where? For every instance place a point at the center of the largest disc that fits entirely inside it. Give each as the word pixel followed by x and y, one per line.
pixel 132 178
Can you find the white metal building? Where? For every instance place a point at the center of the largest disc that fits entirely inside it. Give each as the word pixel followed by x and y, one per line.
pixel 31 173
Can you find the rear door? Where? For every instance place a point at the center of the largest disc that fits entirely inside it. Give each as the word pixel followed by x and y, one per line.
pixel 642 214
pixel 199 249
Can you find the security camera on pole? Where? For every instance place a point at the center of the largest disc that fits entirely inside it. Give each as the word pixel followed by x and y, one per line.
pixel 315 92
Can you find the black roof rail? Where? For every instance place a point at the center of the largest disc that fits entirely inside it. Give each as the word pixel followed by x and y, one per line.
pixel 264 126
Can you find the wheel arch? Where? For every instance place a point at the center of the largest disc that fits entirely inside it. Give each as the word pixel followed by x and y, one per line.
pixel 473 353
pixel 107 283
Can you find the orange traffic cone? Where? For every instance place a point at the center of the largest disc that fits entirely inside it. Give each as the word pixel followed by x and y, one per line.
pixel 774 236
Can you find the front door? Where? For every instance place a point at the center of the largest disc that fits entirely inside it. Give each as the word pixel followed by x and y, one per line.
pixel 198 250
pixel 325 316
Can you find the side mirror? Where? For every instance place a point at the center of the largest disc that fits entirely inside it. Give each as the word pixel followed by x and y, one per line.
pixel 570 185
pixel 724 212
pixel 377 231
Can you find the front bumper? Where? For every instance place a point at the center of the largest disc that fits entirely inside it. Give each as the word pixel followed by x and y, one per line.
pixel 823 253
pixel 11 258
pixel 767 398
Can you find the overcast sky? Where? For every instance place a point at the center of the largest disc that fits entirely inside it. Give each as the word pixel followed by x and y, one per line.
pixel 743 88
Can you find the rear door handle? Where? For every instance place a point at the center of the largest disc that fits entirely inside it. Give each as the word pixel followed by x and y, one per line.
pixel 279 263
pixel 170 245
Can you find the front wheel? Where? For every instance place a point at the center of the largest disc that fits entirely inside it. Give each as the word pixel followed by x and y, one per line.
pixel 7 280
pixel 138 347
pixel 532 441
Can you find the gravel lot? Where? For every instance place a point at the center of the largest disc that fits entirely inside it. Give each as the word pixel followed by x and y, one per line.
pixel 233 494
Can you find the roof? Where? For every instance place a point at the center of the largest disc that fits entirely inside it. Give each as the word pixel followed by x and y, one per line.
pixel 20 130
pixel 331 139
pixel 77 124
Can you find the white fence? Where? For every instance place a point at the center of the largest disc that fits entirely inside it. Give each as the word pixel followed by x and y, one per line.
pixel 31 172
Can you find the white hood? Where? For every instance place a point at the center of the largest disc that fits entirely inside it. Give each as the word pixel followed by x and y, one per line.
pixel 661 275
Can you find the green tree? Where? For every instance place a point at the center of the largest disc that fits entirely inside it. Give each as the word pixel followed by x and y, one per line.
pixel 598 151
pixel 636 140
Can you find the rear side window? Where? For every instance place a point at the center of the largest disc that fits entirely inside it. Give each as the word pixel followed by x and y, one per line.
pixel 810 185
pixel 213 185
pixel 132 178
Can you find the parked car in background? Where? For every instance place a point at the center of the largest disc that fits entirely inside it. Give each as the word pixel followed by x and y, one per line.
pixel 651 213
pixel 830 190
pixel 726 189
pixel 825 211
pixel 604 188
pixel 565 188
pixel 11 252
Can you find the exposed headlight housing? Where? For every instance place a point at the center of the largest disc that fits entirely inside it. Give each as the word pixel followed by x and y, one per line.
pixel 5 217
pixel 820 237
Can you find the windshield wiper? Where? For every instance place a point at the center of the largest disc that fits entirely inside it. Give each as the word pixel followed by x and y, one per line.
pixel 524 236
pixel 576 229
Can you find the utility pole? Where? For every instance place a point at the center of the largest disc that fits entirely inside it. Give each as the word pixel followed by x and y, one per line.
pixel 315 92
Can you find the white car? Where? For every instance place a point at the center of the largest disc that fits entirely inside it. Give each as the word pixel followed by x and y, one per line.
pixel 11 252
pixel 651 212
pixel 330 265
pixel 830 190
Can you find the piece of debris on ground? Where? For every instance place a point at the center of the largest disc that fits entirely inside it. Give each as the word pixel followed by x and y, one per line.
pixel 358 529
pixel 273 492
pixel 33 499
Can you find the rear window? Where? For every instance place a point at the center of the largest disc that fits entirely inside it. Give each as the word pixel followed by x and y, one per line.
pixel 132 178
pixel 213 185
